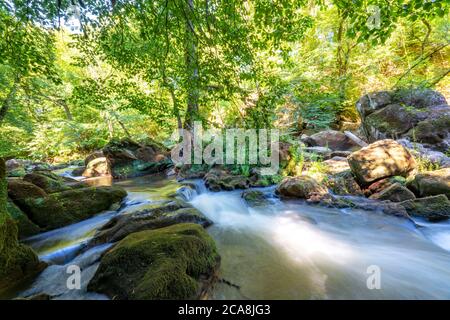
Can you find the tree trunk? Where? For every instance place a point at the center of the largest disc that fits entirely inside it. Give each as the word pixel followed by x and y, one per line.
pixel 191 68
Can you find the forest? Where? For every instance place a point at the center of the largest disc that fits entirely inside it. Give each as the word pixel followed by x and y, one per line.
pixel 95 96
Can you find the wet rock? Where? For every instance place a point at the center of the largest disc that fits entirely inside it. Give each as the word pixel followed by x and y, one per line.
pixel 255 198
pixel 162 215
pixel 302 187
pixel 395 193
pixel 176 262
pixel 434 208
pixel 382 159
pixel 19 190
pixel 331 139
pixel 431 183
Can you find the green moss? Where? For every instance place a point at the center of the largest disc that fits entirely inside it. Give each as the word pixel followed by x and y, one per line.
pixel 17 261
pixel 47 181
pixel 63 208
pixel 25 225
pixel 435 208
pixel 166 263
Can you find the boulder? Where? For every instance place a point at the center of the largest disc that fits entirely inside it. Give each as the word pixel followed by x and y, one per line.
pixel 18 262
pixel 419 114
pixel 63 208
pixel 302 187
pixel 431 183
pixel 218 179
pixel 176 262
pixel 334 140
pixel 255 198
pixel 395 193
pixel 19 189
pixel 434 208
pixel 162 215
pixel 381 159
pixel 97 167
pixel 128 158
pixel 436 158
pixel 47 181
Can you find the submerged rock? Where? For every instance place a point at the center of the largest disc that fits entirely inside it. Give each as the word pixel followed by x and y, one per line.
pixel 162 215
pixel 435 208
pixel 382 159
pixel 431 183
pixel 176 262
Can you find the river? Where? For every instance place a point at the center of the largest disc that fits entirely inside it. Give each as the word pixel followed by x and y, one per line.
pixel 286 250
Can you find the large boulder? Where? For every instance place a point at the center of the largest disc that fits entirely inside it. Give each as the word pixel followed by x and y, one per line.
pixel 302 187
pixel 63 208
pixel 159 216
pixel 419 114
pixel 19 189
pixel 382 159
pixel 128 158
pixel 176 262
pixel 97 167
pixel 435 208
pixel 431 183
pixel 335 140
pixel 17 262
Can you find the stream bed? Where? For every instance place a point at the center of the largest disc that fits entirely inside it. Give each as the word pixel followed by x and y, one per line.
pixel 286 250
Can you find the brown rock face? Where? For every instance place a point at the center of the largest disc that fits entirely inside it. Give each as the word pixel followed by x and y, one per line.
pixel 382 159
pixel 302 187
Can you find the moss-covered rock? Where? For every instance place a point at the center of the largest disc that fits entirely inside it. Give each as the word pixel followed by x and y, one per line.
pixel 26 227
pixel 17 261
pixel 63 208
pixel 218 179
pixel 395 193
pixel 176 262
pixel 431 183
pixel 19 189
pixel 161 215
pixel 435 208
pixel 255 198
pixel 47 181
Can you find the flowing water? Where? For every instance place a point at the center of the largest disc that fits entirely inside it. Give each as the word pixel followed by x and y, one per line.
pixel 286 250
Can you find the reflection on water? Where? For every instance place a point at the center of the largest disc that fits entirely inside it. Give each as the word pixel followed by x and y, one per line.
pixel 287 250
